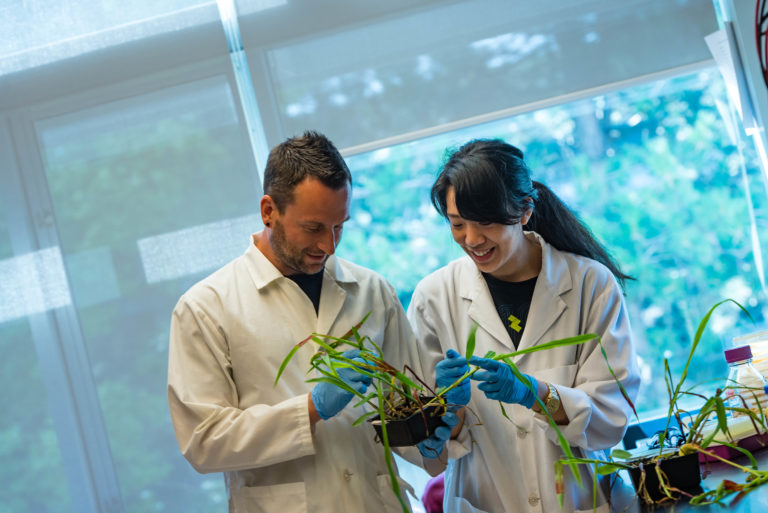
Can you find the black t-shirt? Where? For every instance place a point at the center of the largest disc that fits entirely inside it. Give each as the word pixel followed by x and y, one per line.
pixel 311 284
pixel 512 300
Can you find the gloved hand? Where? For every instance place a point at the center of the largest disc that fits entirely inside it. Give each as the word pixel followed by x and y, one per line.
pixel 500 384
pixel 449 370
pixel 329 399
pixel 432 447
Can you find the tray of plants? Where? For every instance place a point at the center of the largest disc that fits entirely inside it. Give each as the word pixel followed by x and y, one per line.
pixel 669 469
pixel 745 433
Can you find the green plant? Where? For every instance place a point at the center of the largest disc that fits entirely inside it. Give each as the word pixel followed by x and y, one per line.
pixel 394 395
pixel 706 427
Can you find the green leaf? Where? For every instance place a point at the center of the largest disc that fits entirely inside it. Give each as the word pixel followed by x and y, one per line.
pixel 288 359
pixel 608 468
pixel 504 412
pixel 364 416
pixel 568 341
pixel 564 445
pixel 745 452
pixel 321 341
pixel 387 453
pixel 337 382
pixel 722 418
pixel 700 332
pixel 471 342
pixel 365 399
pixel 621 454
pixel 559 482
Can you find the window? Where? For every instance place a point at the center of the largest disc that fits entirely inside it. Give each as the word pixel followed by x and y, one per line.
pixel 28 437
pixel 126 175
pixel 650 169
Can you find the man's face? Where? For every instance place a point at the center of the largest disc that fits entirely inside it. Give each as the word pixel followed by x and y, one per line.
pixel 301 238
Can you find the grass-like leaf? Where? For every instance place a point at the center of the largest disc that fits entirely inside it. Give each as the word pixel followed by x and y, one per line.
pixel 388 453
pixel 564 445
pixel 364 416
pixel 335 381
pixel 289 357
pixel 553 344
pixel 621 454
pixel 470 350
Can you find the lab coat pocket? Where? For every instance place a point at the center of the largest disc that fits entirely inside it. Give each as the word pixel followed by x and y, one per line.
pixel 388 497
pixel 564 375
pixel 287 497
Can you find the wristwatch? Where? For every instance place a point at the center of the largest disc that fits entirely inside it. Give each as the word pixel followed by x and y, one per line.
pixel 552 401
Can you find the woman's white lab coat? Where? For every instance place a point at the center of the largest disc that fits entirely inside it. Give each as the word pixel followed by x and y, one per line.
pixel 500 466
pixel 229 334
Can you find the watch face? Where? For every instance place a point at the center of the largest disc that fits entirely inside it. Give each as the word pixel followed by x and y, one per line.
pixel 553 401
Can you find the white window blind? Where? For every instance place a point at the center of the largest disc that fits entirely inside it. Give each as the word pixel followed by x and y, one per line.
pixel 392 74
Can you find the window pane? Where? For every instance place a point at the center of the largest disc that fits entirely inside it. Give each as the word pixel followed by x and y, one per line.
pixel 456 60
pixel 654 174
pixel 32 473
pixel 149 195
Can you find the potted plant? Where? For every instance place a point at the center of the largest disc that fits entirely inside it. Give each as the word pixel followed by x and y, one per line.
pixel 403 408
pixel 400 406
pixel 400 403
pixel 669 470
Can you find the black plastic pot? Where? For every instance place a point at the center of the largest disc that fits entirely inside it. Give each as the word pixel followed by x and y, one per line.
pixel 410 430
pixel 683 473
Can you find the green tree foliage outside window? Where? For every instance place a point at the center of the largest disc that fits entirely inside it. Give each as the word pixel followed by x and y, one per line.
pixel 652 171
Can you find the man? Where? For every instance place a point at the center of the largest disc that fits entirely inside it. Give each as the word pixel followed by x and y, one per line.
pixel 290 447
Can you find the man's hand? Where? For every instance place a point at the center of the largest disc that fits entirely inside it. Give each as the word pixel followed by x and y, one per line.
pixel 329 399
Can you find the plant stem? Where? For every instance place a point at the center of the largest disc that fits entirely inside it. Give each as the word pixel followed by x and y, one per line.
pixel 452 386
pixel 729 462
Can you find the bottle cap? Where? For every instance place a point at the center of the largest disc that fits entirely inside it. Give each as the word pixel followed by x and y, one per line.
pixel 738 353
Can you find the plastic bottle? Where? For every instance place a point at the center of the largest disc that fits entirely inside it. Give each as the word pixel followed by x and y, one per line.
pixel 758 342
pixel 744 382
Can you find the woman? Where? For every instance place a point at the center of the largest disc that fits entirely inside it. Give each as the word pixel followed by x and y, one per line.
pixel 533 273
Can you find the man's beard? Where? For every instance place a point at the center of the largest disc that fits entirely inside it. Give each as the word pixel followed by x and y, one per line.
pixel 290 256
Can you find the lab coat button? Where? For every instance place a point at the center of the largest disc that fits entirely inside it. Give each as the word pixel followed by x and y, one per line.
pixel 521 433
pixel 348 475
pixel 533 500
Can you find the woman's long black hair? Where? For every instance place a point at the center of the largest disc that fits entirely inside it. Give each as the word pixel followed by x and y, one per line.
pixel 493 184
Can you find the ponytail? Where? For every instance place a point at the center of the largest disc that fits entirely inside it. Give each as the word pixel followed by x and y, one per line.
pixel 492 184
pixel 560 227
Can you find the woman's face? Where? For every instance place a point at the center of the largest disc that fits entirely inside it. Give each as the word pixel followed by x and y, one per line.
pixel 500 250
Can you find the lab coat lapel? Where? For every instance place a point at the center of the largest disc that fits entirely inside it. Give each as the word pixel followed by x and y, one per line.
pixel 547 305
pixel 481 308
pixel 332 296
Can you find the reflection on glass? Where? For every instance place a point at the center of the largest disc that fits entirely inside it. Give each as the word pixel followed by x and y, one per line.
pixel 32 283
pixel 457 60
pixel 32 473
pixel 149 195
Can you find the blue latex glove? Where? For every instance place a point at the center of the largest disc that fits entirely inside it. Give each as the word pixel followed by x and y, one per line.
pixel 500 384
pixel 329 399
pixel 449 370
pixel 433 446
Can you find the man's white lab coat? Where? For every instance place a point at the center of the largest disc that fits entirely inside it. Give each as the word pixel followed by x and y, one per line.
pixel 229 334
